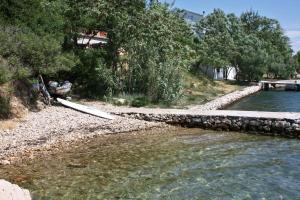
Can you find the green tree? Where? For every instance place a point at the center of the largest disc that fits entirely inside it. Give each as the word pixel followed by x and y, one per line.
pixel 276 44
pixel 33 54
pixel 158 54
pixel 31 37
pixel 252 59
pixel 217 42
pixel 153 39
pixel 253 44
pixel 297 61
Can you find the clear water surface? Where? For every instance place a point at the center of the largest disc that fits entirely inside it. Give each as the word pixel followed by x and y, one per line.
pixel 273 100
pixel 182 164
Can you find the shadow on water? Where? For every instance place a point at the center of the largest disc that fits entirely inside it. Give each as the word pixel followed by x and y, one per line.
pixel 183 164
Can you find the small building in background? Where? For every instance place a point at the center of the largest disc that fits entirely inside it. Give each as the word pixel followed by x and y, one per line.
pixel 228 73
pixel 192 18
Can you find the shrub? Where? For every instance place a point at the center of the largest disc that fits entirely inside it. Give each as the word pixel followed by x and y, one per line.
pixel 93 78
pixel 140 102
pixel 4 75
pixel 158 55
pixel 5 108
pixel 28 54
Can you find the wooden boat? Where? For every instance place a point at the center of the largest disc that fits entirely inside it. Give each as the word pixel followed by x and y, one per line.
pixel 85 109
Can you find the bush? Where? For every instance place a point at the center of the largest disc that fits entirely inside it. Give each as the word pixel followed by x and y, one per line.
pixel 4 75
pixel 5 108
pixel 140 102
pixel 158 55
pixel 25 53
pixel 93 78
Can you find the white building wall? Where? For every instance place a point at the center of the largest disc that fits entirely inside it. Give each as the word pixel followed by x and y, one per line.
pixel 219 74
pixel 231 73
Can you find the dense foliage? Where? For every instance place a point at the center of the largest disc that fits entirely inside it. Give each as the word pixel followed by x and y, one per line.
pixel 149 46
pixel 152 42
pixel 5 107
pixel 297 60
pixel 253 44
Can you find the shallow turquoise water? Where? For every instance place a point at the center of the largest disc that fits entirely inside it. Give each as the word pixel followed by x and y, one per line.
pixel 183 164
pixel 273 100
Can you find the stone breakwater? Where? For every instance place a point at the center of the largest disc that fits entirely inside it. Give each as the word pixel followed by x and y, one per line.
pixel 227 99
pixel 266 123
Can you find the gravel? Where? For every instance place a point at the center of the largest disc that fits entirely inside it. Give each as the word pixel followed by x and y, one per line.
pixel 57 124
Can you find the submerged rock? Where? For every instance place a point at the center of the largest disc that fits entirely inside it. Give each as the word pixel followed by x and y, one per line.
pixel 10 191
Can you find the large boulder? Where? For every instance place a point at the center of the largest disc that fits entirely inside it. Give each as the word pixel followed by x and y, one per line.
pixel 10 191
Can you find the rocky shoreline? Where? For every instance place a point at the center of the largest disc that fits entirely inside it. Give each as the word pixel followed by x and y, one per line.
pixel 57 125
pixel 228 99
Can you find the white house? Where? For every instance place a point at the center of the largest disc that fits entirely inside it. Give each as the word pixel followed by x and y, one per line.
pixel 192 19
pixel 219 73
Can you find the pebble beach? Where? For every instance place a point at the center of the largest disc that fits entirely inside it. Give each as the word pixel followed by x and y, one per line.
pixel 59 125
pixel 56 125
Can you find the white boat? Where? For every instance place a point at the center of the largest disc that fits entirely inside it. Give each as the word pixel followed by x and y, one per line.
pixel 85 109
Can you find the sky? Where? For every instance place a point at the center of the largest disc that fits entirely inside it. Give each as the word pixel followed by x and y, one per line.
pixel 286 11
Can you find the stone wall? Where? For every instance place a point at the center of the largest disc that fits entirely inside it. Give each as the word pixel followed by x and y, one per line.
pixel 275 126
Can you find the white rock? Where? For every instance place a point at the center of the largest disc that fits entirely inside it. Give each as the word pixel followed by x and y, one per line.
pixel 4 162
pixel 10 191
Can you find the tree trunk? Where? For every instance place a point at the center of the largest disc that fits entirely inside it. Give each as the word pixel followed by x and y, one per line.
pixel 225 74
pixel 237 72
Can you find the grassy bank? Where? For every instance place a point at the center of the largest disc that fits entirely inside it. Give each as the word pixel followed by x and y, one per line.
pixel 197 89
pixel 200 90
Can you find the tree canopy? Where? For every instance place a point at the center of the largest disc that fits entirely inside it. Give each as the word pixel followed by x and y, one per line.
pixel 149 48
pixel 297 61
pixel 253 44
